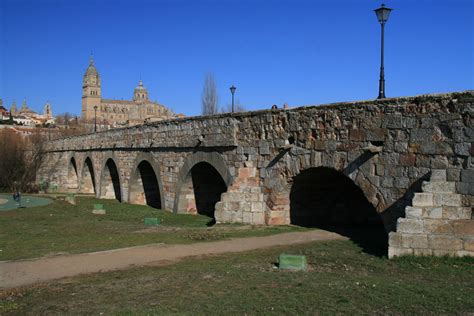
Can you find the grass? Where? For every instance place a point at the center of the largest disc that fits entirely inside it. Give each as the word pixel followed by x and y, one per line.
pixel 341 280
pixel 61 228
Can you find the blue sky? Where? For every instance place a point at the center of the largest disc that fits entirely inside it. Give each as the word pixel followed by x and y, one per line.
pixel 299 52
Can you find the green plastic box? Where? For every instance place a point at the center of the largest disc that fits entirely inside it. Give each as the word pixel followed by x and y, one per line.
pixel 98 206
pixel 152 221
pixel 292 262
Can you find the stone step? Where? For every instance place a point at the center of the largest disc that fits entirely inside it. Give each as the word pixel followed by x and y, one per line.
pixel 453 212
pixel 447 199
pixel 438 212
pixel 438 187
pixel 413 212
pixel 438 175
pixel 409 225
pixel 422 199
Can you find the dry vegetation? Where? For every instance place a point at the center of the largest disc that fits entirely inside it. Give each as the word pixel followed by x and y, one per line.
pixel 20 158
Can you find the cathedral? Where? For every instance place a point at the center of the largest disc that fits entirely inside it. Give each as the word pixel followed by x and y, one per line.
pixel 117 113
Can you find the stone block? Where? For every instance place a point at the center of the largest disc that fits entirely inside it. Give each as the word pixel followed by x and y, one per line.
pixel 387 182
pixel 455 212
pixel 438 226
pixel 398 252
pixel 247 217
pixel 467 175
pixel 423 252
pixel 395 239
pixel 469 244
pixel 411 226
pixel 445 253
pixel 464 253
pixel 447 199
pixel 453 175
pixel 433 212
pixel 414 241
pixel 422 199
pixel 258 218
pixel 422 161
pixel 464 228
pixel 438 187
pixel 438 175
pixel 462 149
pixel 443 242
pixel 465 188
pixel 257 206
pixel 407 160
pixel 413 212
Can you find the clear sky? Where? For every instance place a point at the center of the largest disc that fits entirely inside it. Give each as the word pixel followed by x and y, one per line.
pixel 299 52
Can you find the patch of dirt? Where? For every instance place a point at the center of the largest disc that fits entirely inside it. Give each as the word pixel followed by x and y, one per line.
pixel 3 201
pixel 25 272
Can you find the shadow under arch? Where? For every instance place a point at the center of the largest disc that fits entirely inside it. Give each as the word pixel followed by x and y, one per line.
pixel 324 198
pixel 110 182
pixel 88 181
pixel 202 179
pixel 72 181
pixel 145 186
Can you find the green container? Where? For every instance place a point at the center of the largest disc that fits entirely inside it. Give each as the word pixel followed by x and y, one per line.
pixel 152 221
pixel 98 206
pixel 292 262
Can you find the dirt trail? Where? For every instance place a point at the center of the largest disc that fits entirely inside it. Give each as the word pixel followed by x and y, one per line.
pixel 25 272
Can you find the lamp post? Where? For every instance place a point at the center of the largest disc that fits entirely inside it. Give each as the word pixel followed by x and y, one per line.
pixel 232 90
pixel 382 15
pixel 95 118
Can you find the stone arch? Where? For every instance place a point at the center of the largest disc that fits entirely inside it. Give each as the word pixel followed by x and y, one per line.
pixel 110 180
pixel 203 177
pixel 325 198
pixel 88 177
pixel 145 186
pixel 72 178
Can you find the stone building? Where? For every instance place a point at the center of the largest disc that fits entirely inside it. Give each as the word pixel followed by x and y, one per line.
pixel 118 112
pixel 26 116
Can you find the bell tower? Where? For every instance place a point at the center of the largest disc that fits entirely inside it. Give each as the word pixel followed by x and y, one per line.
pixel 91 92
pixel 140 94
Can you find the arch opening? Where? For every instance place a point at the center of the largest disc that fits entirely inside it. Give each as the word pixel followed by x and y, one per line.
pixel 88 177
pixel 72 181
pixel 110 184
pixel 201 190
pixel 325 198
pixel 144 188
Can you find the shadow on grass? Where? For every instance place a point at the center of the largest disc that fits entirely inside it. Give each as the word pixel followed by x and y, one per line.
pixel 372 239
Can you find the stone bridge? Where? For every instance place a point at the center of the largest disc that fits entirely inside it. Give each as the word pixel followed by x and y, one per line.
pixel 404 164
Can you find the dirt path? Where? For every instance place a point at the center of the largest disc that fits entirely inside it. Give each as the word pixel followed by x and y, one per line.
pixel 25 272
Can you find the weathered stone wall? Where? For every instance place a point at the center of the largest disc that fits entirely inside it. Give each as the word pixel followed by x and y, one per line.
pixel 386 147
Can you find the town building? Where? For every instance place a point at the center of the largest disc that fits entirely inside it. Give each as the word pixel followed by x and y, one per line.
pixel 116 113
pixel 26 116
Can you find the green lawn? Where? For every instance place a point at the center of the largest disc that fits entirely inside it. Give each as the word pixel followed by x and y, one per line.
pixel 64 228
pixel 341 280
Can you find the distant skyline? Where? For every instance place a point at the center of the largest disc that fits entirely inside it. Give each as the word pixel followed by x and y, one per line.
pixel 281 51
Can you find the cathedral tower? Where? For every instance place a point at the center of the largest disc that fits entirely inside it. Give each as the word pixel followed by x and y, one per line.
pixel 90 91
pixel 140 94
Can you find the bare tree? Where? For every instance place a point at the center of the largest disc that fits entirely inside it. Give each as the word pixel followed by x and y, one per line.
pixel 20 159
pixel 209 98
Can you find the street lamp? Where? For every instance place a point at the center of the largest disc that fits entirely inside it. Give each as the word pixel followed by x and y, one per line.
pixel 232 90
pixel 382 15
pixel 95 118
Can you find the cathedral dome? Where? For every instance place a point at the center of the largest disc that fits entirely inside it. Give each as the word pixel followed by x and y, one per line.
pixel 91 77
